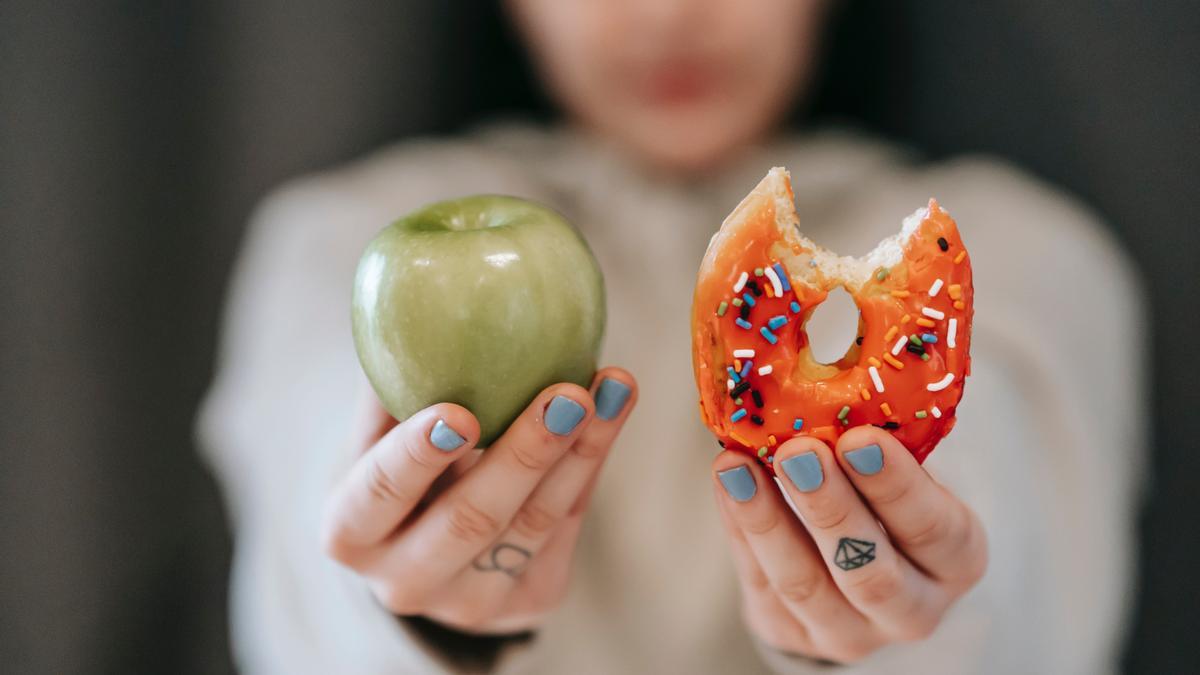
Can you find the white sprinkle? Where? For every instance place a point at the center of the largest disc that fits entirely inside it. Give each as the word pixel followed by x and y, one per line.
pixel 875 379
pixel 729 385
pixel 765 370
pixel 775 285
pixel 937 412
pixel 743 353
pixel 937 286
pixel 933 313
pixel 741 282
pixel 950 333
pixel 941 384
pixel 903 340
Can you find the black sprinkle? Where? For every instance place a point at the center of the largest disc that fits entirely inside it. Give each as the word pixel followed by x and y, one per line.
pixel 891 425
pixel 858 341
pixel 757 398
pixel 721 443
pixel 757 420
pixel 943 244
pixel 745 312
pixel 754 288
pixel 739 389
pixel 915 349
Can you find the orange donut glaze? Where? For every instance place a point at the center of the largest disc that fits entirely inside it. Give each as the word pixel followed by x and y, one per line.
pixel 894 303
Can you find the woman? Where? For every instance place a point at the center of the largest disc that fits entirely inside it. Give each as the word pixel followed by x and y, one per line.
pixel 406 551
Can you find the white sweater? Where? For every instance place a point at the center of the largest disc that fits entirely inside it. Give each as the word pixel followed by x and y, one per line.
pixel 1048 450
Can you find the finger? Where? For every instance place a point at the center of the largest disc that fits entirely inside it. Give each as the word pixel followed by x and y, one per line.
pixel 789 559
pixel 877 580
pixel 464 520
pixel 930 525
pixel 387 482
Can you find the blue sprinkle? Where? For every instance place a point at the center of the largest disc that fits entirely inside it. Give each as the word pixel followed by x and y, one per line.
pixel 787 285
pixel 746 368
pixel 769 335
pixel 928 337
pixel 797 424
pixel 742 323
pixel 733 374
pixel 738 414
pixel 795 307
pixel 748 298
pixel 777 322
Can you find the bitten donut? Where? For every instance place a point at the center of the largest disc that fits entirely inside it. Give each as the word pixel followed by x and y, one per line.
pixel 760 282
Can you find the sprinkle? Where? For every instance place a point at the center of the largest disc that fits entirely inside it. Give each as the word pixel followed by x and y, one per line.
pixel 729 385
pixel 765 370
pixel 924 356
pixel 776 282
pixel 937 286
pixel 843 412
pixel 899 345
pixel 783 279
pixel 753 286
pixel 958 304
pixel 866 395
pixel 928 337
pixel 874 361
pixel 881 274
pixel 951 333
pixel 744 312
pixel 893 362
pixel 745 372
pixel 748 298
pixel 885 408
pixel 768 335
pixel 845 423
pixel 743 353
pixel 943 244
pixel 742 323
pixel 757 420
pixel 919 351
pixel 890 334
pixel 933 313
pixel 900 294
pixel 771 459
pixel 921 414
pixel 741 283
pixel 925 323
pixel 771 440
pixel 737 302
pixel 744 443
pixel 904 319
pixel 739 389
pixel 797 424
pixel 959 258
pixel 738 414
pixel 890 425
pixel 777 322
pixel 858 340
pixel 795 307
pixel 737 401
pixel 770 291
pixel 758 271
pixel 937 412
pixel 875 379
pixel 762 452
pixel 733 374
pixel 722 307
pixel 955 291
pixel 941 384
pixel 914 339
pixel 757 397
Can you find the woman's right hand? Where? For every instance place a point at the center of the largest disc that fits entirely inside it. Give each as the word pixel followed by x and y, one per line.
pixel 478 542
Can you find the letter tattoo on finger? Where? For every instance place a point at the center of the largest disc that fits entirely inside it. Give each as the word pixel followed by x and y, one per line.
pixel 506 558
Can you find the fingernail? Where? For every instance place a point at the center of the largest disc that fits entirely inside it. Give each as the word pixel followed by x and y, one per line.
pixel 444 438
pixel 563 415
pixel 804 471
pixel 738 483
pixel 867 460
pixel 611 396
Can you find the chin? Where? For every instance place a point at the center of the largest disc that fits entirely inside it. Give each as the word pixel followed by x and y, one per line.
pixel 687 150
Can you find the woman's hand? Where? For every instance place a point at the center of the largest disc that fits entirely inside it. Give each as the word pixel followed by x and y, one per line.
pixel 478 542
pixel 881 552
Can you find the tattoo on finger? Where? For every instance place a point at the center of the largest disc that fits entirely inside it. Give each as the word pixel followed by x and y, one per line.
pixel 506 558
pixel 852 554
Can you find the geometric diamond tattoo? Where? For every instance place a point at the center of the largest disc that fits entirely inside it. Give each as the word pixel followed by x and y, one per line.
pixel 853 553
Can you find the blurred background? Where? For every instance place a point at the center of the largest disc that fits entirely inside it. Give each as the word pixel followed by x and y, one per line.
pixel 136 137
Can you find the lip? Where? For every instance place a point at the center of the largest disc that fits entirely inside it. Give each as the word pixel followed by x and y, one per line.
pixel 677 83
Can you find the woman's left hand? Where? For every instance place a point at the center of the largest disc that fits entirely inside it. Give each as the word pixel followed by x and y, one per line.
pixel 882 551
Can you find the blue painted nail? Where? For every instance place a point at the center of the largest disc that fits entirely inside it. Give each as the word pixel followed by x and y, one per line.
pixel 866 460
pixel 563 415
pixel 611 396
pixel 804 471
pixel 444 438
pixel 738 483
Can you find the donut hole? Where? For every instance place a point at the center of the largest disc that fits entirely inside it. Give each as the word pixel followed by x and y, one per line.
pixel 833 327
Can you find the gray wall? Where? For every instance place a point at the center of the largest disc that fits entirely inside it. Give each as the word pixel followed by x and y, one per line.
pixel 134 138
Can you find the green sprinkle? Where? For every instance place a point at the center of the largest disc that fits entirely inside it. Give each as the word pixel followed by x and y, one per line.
pixel 737 302
pixel 925 356
pixel 758 271
pixel 845 423
pixel 762 452
pixel 915 339
pixel 738 400
pixel 722 307
pixel 881 274
pixel 921 414
pixel 844 411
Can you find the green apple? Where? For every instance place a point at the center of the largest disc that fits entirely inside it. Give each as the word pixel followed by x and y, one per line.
pixel 481 301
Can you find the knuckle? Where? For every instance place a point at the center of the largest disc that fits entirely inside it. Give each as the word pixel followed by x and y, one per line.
pixel 761 525
pixel 382 485
pixel 831 515
pixel 534 521
pixel 471 524
pixel 935 528
pixel 849 654
pixel 334 544
pixel 757 579
pixel 880 587
pixel 399 599
pixel 799 589
pixel 537 458
pixel 894 494
pixel 470 615
pixel 589 447
pixel 918 628
pixel 420 455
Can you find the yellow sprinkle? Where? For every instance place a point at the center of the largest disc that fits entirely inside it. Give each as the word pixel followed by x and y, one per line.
pixel 893 362
pixel 959 258
pixel 887 337
pixel 771 440
pixel 767 288
pixel 925 322
pixel 900 294
pixel 874 361
pixel 739 439
pixel 737 365
pixel 904 319
pixel 866 395
pixel 958 304
pixel 955 291
pixel 887 409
